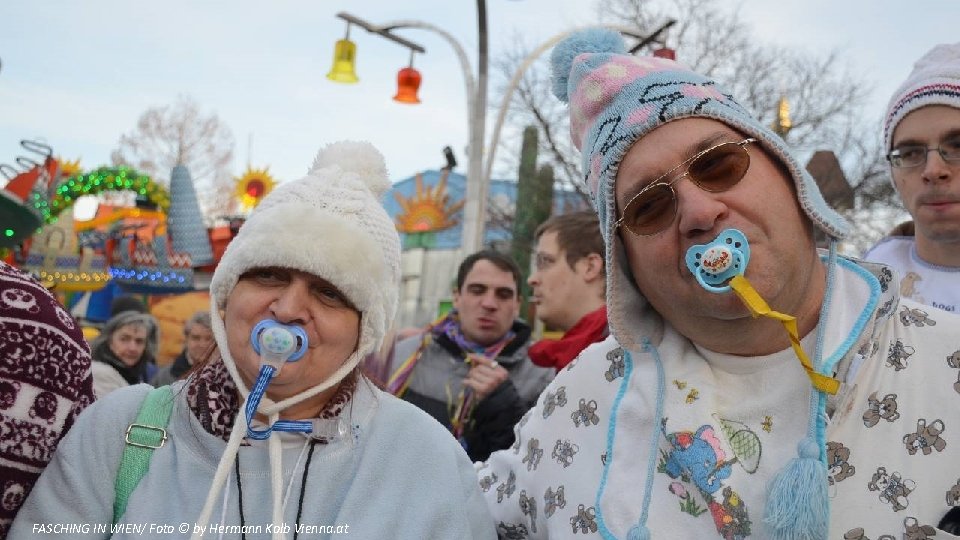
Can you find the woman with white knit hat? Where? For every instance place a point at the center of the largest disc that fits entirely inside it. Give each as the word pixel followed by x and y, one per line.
pixel 278 434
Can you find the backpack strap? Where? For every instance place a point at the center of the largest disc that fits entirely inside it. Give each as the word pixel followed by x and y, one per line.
pixel 146 434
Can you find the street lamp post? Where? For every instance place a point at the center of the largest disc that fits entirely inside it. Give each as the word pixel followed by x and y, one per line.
pixel 474 208
pixel 479 170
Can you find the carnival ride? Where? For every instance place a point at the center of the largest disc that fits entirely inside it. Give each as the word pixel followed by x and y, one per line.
pixel 151 248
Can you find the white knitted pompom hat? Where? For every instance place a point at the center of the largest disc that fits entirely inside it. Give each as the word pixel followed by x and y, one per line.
pixel 331 224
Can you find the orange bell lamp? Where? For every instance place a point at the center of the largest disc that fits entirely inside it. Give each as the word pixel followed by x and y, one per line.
pixel 408 83
pixel 344 55
pixel 665 52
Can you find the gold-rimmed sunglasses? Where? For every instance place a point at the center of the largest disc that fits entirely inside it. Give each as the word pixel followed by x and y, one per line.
pixel 715 169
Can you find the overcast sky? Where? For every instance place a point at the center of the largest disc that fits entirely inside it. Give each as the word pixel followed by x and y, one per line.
pixel 79 73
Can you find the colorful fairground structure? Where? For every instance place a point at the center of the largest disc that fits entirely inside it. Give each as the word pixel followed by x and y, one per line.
pixel 143 240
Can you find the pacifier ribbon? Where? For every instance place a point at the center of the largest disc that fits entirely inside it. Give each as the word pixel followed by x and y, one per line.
pixel 719 267
pixel 758 307
pixel 276 343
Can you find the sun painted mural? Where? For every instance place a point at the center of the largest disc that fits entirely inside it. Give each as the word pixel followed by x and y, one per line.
pixel 428 209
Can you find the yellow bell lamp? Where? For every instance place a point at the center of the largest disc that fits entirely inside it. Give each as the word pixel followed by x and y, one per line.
pixel 344 55
pixel 408 83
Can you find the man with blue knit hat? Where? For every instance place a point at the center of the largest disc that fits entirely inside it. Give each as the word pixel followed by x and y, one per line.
pixel 752 387
pixel 921 135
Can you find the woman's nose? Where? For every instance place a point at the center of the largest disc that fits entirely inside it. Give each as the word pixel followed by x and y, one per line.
pixel 292 303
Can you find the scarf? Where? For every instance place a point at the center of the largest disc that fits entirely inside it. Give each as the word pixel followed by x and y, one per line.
pixel 180 365
pixel 215 400
pixel 461 406
pixel 557 353
pixel 447 325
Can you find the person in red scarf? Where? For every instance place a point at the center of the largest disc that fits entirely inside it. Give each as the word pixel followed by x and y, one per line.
pixel 569 287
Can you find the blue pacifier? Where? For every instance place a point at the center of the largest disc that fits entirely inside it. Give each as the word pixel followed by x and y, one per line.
pixel 276 343
pixel 714 264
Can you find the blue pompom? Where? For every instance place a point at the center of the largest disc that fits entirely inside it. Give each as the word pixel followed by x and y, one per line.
pixel 592 40
pixel 798 502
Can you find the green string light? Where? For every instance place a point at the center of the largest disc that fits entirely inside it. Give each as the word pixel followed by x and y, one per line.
pixel 102 179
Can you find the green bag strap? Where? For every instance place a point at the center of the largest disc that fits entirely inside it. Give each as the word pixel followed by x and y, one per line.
pixel 143 436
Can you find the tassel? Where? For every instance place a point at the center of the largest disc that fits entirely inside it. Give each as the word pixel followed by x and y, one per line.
pixel 798 504
pixel 638 532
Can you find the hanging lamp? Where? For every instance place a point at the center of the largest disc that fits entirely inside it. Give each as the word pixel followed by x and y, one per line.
pixel 344 56
pixel 665 52
pixel 408 83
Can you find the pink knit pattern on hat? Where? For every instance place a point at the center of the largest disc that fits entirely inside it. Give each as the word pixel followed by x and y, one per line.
pixel 595 91
pixel 640 115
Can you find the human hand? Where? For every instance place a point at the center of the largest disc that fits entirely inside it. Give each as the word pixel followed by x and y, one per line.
pixel 484 376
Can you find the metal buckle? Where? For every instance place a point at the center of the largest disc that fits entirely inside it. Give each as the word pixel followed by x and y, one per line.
pixel 163 436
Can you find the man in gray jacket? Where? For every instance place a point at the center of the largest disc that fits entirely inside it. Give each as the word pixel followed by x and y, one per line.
pixel 469 370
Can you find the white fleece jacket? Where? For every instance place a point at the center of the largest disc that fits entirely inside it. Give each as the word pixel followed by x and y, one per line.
pixel 395 474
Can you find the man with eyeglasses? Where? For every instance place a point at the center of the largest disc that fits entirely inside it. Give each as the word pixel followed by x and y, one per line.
pixel 922 135
pixel 752 387
pixel 569 286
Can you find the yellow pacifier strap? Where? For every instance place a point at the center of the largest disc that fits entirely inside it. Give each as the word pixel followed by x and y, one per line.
pixel 758 307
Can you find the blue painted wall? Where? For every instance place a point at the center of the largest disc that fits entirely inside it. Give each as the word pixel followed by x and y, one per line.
pixel 506 190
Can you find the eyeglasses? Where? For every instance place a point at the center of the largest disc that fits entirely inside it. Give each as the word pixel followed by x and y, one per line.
pixel 914 155
pixel 715 169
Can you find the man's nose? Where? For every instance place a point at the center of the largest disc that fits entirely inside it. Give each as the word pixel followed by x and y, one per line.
pixel 489 300
pixel 935 168
pixel 697 210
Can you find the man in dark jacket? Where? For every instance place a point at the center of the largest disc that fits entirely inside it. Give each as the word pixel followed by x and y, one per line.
pixel 469 370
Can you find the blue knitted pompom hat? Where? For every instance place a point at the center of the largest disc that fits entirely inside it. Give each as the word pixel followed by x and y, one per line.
pixel 615 99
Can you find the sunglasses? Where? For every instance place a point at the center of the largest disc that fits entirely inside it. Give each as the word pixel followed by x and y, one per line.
pixel 715 169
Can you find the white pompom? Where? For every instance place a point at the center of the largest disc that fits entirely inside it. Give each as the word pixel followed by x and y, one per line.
pixel 357 157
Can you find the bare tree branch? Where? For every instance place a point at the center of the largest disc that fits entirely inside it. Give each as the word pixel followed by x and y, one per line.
pixel 178 134
pixel 826 98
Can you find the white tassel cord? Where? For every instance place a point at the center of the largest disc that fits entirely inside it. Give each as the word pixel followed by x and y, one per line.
pixel 223 471
pixel 276 481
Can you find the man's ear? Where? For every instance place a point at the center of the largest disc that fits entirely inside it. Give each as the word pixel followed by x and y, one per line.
pixel 456 299
pixel 593 266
